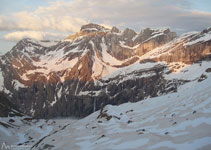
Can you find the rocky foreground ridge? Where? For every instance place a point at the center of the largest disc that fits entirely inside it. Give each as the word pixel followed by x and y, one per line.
pixel 98 66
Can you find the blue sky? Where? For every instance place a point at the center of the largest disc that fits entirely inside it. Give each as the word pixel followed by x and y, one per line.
pixel 203 5
pixel 19 5
pixel 55 19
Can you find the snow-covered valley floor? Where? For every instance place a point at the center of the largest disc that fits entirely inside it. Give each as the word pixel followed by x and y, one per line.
pixel 175 121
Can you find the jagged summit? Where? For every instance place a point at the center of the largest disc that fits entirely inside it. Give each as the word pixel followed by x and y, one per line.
pixel 91 27
pixel 129 33
pixel 115 30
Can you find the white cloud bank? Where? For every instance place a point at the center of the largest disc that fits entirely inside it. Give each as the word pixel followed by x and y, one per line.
pixel 37 35
pixel 67 17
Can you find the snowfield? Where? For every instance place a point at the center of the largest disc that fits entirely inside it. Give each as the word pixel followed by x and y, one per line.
pixel 175 121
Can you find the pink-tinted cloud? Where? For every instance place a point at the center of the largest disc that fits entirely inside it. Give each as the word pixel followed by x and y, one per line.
pixel 66 17
pixel 37 35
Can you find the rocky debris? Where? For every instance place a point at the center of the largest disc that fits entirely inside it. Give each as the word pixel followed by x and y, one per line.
pixel 208 70
pixel 174 123
pixel 129 111
pixel 11 120
pixel 101 136
pixel 194 111
pixel 129 121
pixel 140 131
pixel 202 78
pixel 103 114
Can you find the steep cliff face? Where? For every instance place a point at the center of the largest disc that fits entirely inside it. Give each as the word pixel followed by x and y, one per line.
pixel 8 109
pixel 95 67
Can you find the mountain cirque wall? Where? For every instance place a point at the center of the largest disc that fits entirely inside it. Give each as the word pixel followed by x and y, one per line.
pixel 7 109
pixel 95 67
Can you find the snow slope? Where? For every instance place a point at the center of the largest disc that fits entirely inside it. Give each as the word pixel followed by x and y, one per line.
pixel 179 121
pixel 24 133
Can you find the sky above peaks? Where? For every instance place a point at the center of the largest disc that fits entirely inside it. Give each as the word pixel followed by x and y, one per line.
pixel 56 19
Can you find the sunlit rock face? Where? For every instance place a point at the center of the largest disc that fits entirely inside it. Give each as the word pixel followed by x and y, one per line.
pixel 97 66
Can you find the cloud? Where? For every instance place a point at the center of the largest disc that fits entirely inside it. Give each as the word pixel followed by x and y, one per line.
pixel 29 21
pixel 6 23
pixel 37 35
pixel 45 20
pixel 67 17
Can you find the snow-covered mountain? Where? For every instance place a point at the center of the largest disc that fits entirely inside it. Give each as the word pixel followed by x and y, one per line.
pixel 163 81
pixel 177 120
pixel 98 66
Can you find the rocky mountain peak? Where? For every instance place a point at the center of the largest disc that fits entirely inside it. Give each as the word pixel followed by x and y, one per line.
pixel 129 33
pixel 151 31
pixel 91 27
pixel 207 30
pixel 115 30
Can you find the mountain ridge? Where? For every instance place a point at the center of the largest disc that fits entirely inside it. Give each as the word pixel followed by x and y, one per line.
pixel 97 66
